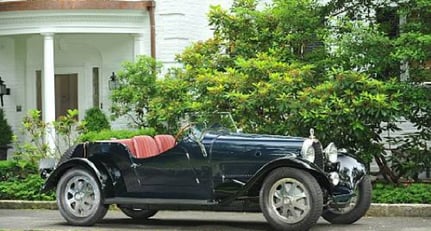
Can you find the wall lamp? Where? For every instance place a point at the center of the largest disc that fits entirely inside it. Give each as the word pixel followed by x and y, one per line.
pixel 3 90
pixel 113 82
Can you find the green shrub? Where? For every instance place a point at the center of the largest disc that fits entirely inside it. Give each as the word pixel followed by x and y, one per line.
pixel 96 120
pixel 28 188
pixel 20 180
pixel 6 130
pixel 118 134
pixel 16 170
pixel 34 145
pixel 411 193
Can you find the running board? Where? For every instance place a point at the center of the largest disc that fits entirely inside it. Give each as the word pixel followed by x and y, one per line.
pixel 156 201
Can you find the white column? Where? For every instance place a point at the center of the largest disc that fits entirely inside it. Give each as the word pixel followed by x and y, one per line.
pixel 48 92
pixel 140 46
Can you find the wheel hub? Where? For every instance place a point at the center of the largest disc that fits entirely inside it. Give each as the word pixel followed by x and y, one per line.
pixel 287 200
pixel 79 196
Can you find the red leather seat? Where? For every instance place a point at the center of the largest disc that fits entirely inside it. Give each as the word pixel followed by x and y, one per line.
pixel 128 143
pixel 164 142
pixel 145 146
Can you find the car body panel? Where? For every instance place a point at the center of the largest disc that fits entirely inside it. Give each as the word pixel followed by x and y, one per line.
pixel 220 171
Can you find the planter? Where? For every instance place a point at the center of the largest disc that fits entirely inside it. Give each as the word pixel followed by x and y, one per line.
pixel 3 152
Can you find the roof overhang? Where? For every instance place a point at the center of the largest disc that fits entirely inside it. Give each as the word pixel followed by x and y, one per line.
pixel 74 5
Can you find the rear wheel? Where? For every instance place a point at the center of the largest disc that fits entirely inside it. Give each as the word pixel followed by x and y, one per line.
pixel 79 198
pixel 355 209
pixel 137 213
pixel 291 199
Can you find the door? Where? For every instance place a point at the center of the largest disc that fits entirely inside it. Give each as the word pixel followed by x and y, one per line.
pixel 66 93
pixel 180 173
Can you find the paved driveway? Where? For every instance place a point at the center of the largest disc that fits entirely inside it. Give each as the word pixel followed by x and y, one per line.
pixel 167 220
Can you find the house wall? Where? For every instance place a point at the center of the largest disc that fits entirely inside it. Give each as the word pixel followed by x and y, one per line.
pixel 84 39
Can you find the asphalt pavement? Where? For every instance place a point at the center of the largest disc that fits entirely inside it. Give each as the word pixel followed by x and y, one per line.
pixel 194 220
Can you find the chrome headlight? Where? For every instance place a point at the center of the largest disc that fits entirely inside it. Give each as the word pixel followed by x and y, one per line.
pixel 307 150
pixel 331 153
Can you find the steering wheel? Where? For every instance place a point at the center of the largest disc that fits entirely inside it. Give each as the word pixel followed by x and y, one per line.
pixel 182 130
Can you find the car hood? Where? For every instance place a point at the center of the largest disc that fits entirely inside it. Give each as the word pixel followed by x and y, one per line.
pixel 271 143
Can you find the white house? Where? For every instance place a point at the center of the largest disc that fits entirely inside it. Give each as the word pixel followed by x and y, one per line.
pixel 60 54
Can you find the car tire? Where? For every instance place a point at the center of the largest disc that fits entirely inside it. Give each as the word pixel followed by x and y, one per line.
pixel 291 199
pixel 137 213
pixel 79 198
pixel 359 206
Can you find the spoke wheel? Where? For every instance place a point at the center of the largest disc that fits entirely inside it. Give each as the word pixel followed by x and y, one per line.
pixel 291 199
pixel 355 209
pixel 79 198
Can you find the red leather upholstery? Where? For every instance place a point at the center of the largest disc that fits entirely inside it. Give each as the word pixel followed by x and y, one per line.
pixel 145 146
pixel 128 143
pixel 164 142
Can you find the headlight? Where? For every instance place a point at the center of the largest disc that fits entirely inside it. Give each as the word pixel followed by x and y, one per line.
pixel 307 150
pixel 331 153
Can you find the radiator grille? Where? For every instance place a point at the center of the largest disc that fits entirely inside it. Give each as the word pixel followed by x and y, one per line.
pixel 318 160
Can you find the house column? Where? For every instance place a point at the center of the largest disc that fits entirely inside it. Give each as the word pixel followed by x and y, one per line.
pixel 139 46
pixel 48 88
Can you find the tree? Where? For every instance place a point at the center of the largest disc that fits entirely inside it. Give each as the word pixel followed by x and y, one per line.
pixel 137 85
pixel 279 70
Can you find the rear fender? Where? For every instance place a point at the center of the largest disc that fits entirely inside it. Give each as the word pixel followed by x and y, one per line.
pixel 55 176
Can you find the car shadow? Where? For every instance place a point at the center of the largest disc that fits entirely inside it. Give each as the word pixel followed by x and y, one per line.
pixel 170 224
pixel 193 224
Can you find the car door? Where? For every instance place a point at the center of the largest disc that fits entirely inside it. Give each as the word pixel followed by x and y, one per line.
pixel 179 173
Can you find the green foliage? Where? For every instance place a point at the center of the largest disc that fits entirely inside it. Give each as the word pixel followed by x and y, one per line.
pixel 413 154
pixel 67 128
pixel 34 129
pixel 16 169
pixel 6 130
pixel 117 134
pixel 409 193
pixel 137 83
pixel 353 106
pixel 291 66
pixel 35 148
pixel 96 120
pixel 358 46
pixel 20 181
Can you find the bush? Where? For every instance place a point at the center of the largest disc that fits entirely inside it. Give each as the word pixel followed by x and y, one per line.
pixel 96 120
pixel 6 130
pixel 118 134
pixel 411 193
pixel 16 170
pixel 20 180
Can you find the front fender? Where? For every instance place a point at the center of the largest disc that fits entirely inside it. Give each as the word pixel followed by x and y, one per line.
pixel 55 176
pixel 320 176
pixel 254 184
pixel 351 172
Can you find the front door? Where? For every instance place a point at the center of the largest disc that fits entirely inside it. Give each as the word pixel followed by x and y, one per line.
pixel 180 173
pixel 66 93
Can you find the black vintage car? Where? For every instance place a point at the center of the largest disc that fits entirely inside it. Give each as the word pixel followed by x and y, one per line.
pixel 292 180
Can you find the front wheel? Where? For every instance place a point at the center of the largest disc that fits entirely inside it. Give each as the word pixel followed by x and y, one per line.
pixel 291 199
pixel 79 198
pixel 355 209
pixel 137 213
